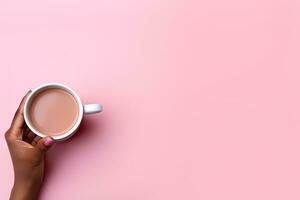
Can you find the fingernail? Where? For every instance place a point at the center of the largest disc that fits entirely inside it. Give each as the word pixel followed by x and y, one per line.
pixel 48 141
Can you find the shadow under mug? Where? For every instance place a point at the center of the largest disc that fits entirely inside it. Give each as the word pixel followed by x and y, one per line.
pixel 83 109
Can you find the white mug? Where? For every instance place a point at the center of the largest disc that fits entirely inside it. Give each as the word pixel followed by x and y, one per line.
pixel 83 109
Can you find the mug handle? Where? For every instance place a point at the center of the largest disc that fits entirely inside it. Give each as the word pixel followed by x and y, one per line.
pixel 92 108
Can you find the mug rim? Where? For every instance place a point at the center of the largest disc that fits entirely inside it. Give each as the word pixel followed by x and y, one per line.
pixel 70 132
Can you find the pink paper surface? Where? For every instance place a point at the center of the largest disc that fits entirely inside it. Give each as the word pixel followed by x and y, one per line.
pixel 201 98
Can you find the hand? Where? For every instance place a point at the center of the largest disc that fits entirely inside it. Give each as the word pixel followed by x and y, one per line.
pixel 27 153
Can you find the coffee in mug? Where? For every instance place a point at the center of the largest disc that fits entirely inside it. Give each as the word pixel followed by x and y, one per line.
pixel 55 110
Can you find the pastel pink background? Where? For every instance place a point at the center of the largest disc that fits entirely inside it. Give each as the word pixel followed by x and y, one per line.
pixel 201 98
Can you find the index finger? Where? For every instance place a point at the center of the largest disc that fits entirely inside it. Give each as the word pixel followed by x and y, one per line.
pixel 18 120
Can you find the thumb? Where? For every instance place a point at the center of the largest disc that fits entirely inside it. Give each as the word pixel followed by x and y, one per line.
pixel 44 144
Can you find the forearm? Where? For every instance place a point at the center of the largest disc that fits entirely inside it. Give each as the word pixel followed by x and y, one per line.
pixel 25 191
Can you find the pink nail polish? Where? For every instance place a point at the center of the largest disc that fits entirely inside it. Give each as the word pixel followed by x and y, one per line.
pixel 48 141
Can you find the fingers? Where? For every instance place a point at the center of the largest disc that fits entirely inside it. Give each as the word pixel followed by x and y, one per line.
pixel 25 133
pixel 30 136
pixel 35 140
pixel 18 120
pixel 44 144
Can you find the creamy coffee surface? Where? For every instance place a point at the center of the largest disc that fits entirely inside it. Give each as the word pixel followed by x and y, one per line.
pixel 53 111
